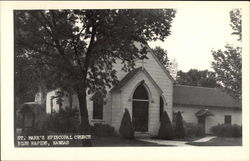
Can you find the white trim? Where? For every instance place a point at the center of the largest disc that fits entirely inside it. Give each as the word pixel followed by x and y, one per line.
pixel 140 100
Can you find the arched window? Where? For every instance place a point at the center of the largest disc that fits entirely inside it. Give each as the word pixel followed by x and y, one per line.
pixel 140 109
pixel 161 107
pixel 140 93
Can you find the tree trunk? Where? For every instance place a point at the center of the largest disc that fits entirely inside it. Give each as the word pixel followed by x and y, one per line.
pixel 85 126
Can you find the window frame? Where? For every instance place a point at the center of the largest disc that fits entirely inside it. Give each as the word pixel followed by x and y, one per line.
pixel 228 119
pixel 97 107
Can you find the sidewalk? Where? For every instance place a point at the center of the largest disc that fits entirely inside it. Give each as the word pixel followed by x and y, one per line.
pixel 205 139
pixel 174 142
pixel 165 142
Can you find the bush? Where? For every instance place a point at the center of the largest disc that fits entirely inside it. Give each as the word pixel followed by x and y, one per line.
pixel 227 130
pixel 193 130
pixel 179 129
pixel 126 129
pixel 65 121
pixel 102 130
pixel 166 129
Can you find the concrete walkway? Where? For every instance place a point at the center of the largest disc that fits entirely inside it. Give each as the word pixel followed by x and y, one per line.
pixel 175 143
pixel 205 139
pixel 166 142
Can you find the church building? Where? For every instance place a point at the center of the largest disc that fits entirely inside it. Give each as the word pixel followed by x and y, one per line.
pixel 146 92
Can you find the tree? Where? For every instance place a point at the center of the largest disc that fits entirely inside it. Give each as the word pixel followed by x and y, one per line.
pixel 126 128
pixel 76 49
pixel 228 63
pixel 173 68
pixel 194 77
pixel 162 56
pixel 235 17
pixel 179 129
pixel 166 129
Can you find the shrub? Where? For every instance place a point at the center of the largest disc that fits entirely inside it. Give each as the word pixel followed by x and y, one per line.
pixel 126 129
pixel 227 130
pixel 166 129
pixel 65 121
pixel 179 129
pixel 102 130
pixel 193 130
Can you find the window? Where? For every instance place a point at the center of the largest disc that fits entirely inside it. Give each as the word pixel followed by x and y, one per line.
pixel 97 110
pixel 98 106
pixel 161 107
pixel 140 93
pixel 228 119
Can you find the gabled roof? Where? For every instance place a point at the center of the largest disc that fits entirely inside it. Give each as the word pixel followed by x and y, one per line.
pixel 130 75
pixel 160 64
pixel 34 107
pixel 202 96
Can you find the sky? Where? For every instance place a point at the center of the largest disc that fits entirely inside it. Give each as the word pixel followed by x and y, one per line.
pixel 194 33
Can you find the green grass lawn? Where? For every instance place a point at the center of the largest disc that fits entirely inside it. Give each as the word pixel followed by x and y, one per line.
pixel 220 141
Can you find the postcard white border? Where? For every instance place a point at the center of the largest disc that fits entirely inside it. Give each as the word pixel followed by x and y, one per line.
pixel 110 153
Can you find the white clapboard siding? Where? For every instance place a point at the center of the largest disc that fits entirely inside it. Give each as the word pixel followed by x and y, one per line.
pixel 122 100
pixel 188 114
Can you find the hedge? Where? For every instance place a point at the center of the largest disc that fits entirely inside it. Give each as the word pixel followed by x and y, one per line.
pixel 227 130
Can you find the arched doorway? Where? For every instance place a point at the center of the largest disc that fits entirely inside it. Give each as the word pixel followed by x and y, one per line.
pixel 140 109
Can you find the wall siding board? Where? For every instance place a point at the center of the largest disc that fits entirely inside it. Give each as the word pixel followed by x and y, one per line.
pixel 188 114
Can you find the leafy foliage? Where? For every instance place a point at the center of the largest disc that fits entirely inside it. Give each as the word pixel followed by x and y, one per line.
pixel 126 128
pixel 227 66
pixel 179 129
pixel 227 130
pixel 228 63
pixel 166 130
pixel 194 77
pixel 63 40
pixel 66 121
pixel 236 22
pixel 193 130
pixel 76 49
pixel 162 56
pixel 103 130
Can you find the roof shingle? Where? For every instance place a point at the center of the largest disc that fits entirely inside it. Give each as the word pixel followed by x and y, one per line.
pixel 202 96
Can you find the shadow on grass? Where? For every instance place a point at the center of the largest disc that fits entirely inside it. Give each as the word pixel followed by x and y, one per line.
pixel 219 141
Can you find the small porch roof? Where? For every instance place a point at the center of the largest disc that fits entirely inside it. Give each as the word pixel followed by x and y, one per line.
pixel 34 107
pixel 203 112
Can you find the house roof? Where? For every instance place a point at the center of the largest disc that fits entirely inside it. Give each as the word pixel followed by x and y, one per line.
pixel 202 96
pixel 34 107
pixel 130 75
pixel 204 112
